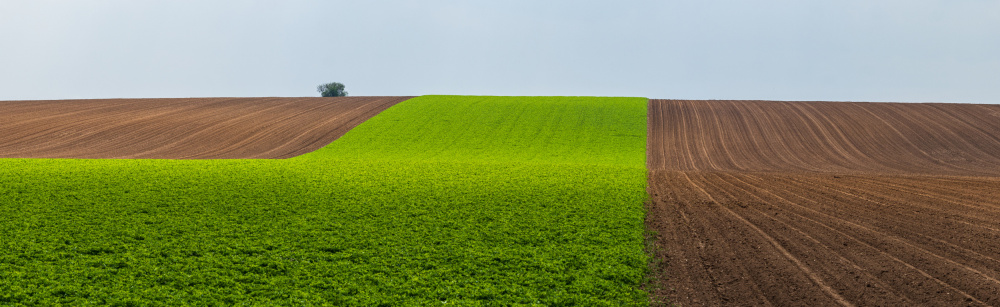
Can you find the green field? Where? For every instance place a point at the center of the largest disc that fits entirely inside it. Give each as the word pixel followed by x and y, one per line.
pixel 439 199
pixel 546 130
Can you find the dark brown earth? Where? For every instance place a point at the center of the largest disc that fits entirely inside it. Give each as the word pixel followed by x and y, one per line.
pixel 825 203
pixel 187 128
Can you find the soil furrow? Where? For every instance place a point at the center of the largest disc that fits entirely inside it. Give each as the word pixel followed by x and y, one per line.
pixel 186 128
pixel 839 203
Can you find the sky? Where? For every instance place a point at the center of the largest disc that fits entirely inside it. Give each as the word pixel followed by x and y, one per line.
pixel 842 50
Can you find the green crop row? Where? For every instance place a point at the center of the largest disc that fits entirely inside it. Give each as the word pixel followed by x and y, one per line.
pixel 553 130
pixel 438 200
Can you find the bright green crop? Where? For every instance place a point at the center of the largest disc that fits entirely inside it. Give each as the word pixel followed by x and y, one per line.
pixel 552 130
pixel 440 199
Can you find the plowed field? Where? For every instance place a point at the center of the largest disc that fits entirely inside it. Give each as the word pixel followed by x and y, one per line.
pixel 825 203
pixel 438 200
pixel 192 128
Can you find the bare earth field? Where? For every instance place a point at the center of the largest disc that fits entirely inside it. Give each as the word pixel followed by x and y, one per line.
pixel 187 128
pixel 825 203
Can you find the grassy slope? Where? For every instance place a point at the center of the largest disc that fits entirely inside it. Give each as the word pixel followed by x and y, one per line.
pixel 438 199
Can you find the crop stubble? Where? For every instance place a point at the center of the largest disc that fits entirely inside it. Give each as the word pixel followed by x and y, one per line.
pixel 825 203
pixel 185 128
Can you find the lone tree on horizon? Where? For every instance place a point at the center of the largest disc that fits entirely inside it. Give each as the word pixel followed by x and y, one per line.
pixel 335 89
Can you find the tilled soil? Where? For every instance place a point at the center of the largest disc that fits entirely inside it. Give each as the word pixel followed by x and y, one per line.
pixel 187 128
pixel 826 137
pixel 802 203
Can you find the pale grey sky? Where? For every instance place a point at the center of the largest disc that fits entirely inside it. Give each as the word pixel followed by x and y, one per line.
pixel 864 50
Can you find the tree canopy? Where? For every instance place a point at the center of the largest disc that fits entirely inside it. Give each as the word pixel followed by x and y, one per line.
pixel 334 89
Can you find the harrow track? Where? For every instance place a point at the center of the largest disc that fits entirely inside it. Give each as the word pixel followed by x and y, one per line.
pixel 825 203
pixel 190 128
pixel 827 137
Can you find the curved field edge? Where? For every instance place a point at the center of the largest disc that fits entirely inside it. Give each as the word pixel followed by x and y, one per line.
pixel 353 228
pixel 548 130
pixel 180 128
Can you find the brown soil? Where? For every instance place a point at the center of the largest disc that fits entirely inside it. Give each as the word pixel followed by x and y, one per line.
pixel 825 203
pixel 828 137
pixel 189 128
